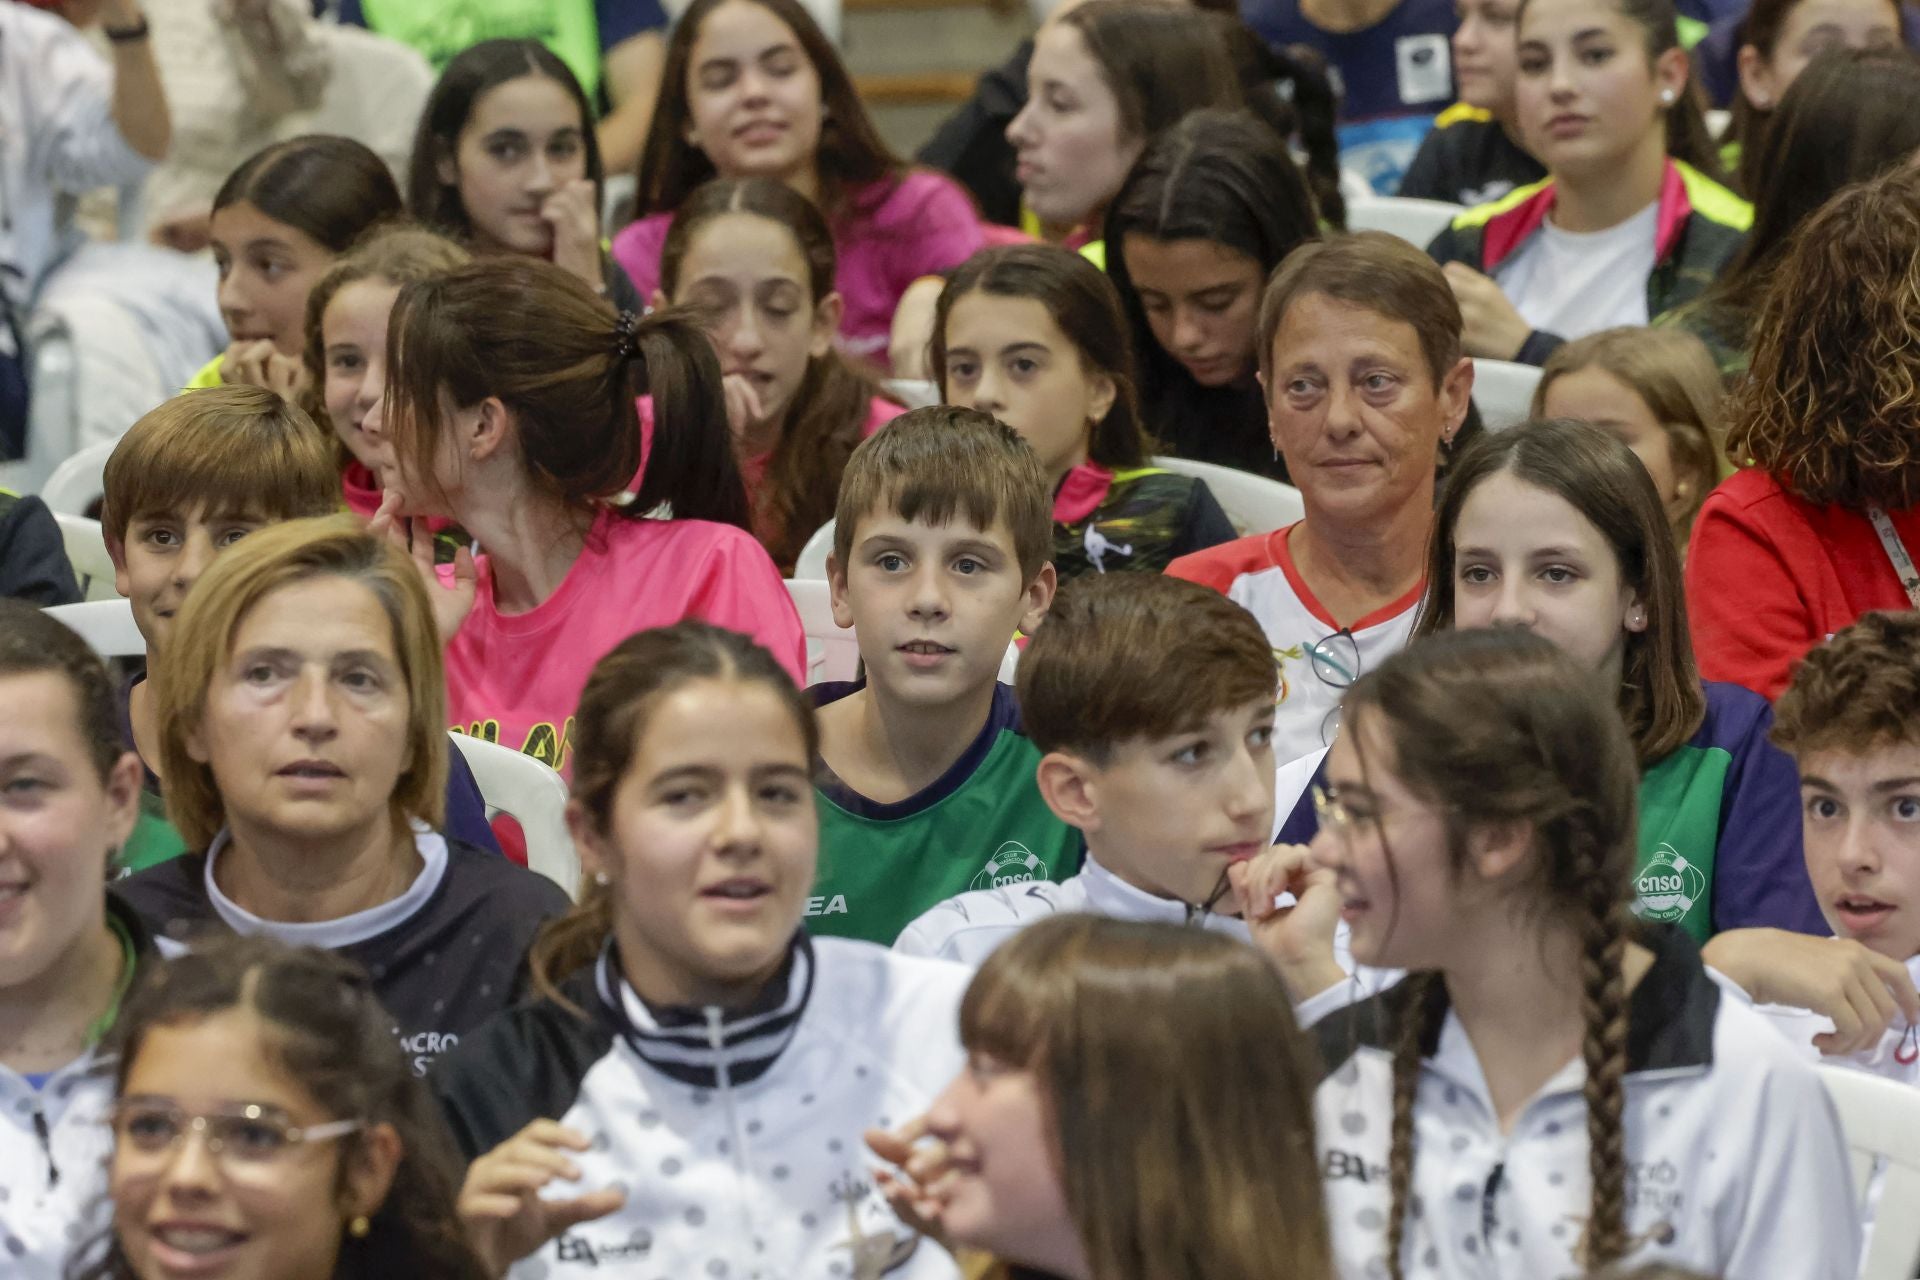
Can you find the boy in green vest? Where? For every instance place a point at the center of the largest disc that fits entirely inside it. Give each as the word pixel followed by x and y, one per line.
pixel 941 544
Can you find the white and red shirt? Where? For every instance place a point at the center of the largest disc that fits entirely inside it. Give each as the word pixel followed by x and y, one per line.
pixel 1319 659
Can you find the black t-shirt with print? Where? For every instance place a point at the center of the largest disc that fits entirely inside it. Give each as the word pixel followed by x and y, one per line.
pixel 456 960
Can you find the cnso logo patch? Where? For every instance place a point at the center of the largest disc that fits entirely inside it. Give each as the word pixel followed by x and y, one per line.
pixel 1668 886
pixel 1011 863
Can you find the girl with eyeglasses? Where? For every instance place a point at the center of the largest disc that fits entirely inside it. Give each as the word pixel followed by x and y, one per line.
pixel 268 1127
pixel 1554 1087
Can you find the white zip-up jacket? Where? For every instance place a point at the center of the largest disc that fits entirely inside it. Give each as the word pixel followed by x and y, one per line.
pixel 57 138
pixel 737 1136
pixel 1736 1167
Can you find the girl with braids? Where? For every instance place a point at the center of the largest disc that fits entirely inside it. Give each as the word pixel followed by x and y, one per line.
pixel 1209 210
pixel 1630 221
pixel 1552 1087
pixel 1555 527
pixel 689 1090
pixel 756 260
pixel 512 407
pixel 268 1127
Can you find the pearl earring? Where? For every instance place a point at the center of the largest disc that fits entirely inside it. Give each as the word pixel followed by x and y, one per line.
pixel 1666 97
pixel 602 879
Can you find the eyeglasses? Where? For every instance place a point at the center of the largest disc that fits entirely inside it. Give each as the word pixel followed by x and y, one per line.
pixel 249 1135
pixel 1335 662
pixel 1331 814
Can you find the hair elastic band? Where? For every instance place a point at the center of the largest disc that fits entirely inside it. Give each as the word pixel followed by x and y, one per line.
pixel 626 335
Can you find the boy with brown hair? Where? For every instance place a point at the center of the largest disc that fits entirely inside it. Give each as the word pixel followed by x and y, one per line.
pixel 1153 701
pixel 941 545
pixel 1851 721
pixel 188 480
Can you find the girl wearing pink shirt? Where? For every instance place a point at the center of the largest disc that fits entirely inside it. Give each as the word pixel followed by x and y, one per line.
pixel 511 407
pixel 752 88
pixel 756 260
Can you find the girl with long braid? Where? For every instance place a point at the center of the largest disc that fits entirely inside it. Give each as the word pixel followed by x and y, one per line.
pixel 1553 1087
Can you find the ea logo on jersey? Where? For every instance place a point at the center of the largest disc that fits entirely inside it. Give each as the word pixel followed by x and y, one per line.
pixel 1011 863
pixel 1668 886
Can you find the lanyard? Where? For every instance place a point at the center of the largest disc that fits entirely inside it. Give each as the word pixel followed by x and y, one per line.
pixel 1897 553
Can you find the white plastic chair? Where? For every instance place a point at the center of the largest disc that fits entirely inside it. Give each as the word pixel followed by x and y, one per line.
pixel 77 483
pixel 1415 221
pixel 915 393
pixel 533 795
pixel 1254 503
pixel 832 653
pixel 811 563
pixel 1354 186
pixel 106 625
pixel 1881 1121
pixel 1504 392
pixel 86 548
pixel 1718 123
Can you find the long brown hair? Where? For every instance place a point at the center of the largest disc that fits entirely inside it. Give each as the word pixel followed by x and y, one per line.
pixel 1083 302
pixel 1660 699
pixel 324 1028
pixel 328 188
pixel 1829 402
pixel 1118 1019
pixel 851 153
pixel 619 697
pixel 1687 136
pixel 571 372
pixel 1496 726
pixel 831 405
pixel 1161 61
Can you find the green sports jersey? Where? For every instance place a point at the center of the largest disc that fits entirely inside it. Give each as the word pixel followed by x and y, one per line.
pixel 981 824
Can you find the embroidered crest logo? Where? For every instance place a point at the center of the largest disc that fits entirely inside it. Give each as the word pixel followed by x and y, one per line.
pixel 1011 863
pixel 1667 887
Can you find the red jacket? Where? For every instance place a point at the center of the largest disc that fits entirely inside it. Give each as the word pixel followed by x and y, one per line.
pixel 1771 575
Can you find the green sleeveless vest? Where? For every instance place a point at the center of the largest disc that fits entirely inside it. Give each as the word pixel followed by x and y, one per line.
pixel 439 29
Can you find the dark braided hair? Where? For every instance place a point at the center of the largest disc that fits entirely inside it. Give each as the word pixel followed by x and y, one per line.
pixel 1499 726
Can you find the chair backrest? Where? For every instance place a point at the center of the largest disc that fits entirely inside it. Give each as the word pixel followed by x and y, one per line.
pixel 1881 1121
pixel 86 547
pixel 832 653
pixel 535 796
pixel 912 392
pixel 77 483
pixel 1415 221
pixel 1504 392
pixel 106 625
pixel 812 560
pixel 1254 503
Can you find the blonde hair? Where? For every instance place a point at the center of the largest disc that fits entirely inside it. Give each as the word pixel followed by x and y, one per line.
pixel 202 642
pixel 1674 375
pixel 1118 1019
pixel 236 450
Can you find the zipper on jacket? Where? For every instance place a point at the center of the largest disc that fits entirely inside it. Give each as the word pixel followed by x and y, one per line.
pixel 46 1143
pixel 1489 1204
pixel 742 1168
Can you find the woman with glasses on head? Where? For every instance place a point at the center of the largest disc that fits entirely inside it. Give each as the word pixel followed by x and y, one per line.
pixel 1358 342
pixel 269 1127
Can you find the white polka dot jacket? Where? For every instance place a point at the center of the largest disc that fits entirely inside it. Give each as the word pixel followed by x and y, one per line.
pixel 1735 1164
pixel 54 1144
pixel 736 1135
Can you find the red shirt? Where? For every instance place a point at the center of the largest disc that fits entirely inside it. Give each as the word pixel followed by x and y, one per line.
pixel 1771 575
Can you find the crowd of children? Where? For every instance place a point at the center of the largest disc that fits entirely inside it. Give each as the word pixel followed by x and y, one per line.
pixel 1488 870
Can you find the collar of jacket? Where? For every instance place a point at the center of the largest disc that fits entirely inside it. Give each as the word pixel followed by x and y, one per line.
pixel 1684 191
pixel 708 1047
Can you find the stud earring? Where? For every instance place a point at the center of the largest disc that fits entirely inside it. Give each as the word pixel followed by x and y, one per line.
pixel 602 879
pixel 359 1227
pixel 1666 97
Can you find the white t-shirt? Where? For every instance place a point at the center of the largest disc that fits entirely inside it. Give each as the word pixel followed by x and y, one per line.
pixel 1574 283
pixel 1319 660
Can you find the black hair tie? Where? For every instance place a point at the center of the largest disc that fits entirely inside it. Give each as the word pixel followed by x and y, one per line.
pixel 626 335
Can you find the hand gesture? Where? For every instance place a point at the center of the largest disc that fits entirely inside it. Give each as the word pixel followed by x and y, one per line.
pixel 1492 329
pixel 916 1193
pixel 452 601
pixel 574 214
pixel 1298 938
pixel 259 364
pixel 744 412
pixel 500 1202
pixel 1861 990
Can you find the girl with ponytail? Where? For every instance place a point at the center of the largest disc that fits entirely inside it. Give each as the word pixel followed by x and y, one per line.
pixel 511 409
pixel 687 1094
pixel 1553 1087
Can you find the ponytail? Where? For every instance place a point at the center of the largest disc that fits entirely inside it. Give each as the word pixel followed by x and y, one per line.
pixel 539 340
pixel 1290 88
